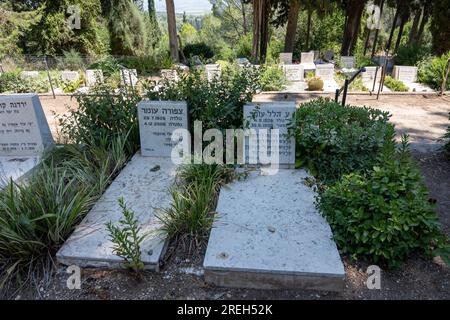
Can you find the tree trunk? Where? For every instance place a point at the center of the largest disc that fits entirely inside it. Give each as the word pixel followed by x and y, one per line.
pixel 308 28
pixel 291 29
pixel 260 30
pixel 244 18
pixel 375 40
pixel 394 24
pixel 172 23
pixel 423 23
pixel 415 27
pixel 403 21
pixel 354 12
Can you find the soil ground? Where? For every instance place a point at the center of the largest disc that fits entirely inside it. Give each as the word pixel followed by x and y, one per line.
pixel 423 117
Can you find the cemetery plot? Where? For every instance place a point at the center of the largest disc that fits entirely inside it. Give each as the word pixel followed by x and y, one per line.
pixel 24 135
pixel 293 72
pixel 128 77
pixel 307 61
pixel 269 235
pixel 348 62
pixel 408 75
pixel 326 73
pixel 169 74
pixel 93 77
pixel 213 71
pixel 286 58
pixel 70 76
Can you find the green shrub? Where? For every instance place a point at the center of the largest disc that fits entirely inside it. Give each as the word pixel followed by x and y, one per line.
pixel 384 214
pixel 109 65
pixel 199 49
pixel 146 64
pixel 332 140
pixel 218 103
pixel 395 85
pixel 432 71
pixel 411 54
pixel 272 78
pixel 104 115
pixel 315 84
pixel 71 60
pixel 72 86
pixel 13 82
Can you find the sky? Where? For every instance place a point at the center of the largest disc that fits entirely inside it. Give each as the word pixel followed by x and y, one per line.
pixel 190 6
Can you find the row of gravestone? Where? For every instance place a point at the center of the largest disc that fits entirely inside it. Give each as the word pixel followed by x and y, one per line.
pixel 24 130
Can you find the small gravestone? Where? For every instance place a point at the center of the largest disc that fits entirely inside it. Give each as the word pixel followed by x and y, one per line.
pixel 128 77
pixel 348 62
pixel 286 58
pixel 169 74
pixel 94 77
pixel 269 115
pixel 157 122
pixel 329 56
pixel 242 62
pixel 29 74
pixel 70 76
pixel 213 71
pixel 325 71
pixel 405 73
pixel 24 130
pixel 293 72
pixel 369 74
pixel 307 61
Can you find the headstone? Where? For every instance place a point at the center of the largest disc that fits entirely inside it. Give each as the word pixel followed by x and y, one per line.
pixel 286 58
pixel 70 76
pixel 369 74
pixel 294 72
pixel 24 130
pixel 29 74
pixel 405 73
pixel 182 67
pixel 93 77
pixel 169 74
pixel 242 62
pixel 270 115
pixel 329 55
pixel 348 62
pixel 128 77
pixel 325 71
pixel 213 71
pixel 157 122
pixel 307 61
pixel 316 54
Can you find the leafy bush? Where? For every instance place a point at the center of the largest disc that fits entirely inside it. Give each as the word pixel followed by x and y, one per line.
pixel 272 78
pixel 13 82
pixel 332 140
pixel 72 86
pixel 102 116
pixel 315 84
pixel 71 60
pixel 218 103
pixel 384 214
pixel 411 54
pixel 146 64
pixel 395 85
pixel 109 65
pixel 199 49
pixel 432 71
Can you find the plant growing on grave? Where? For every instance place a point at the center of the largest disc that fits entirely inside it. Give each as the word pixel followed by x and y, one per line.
pixel 432 71
pixel 315 84
pixel 395 85
pixel 191 214
pixel 333 140
pixel 272 78
pixel 127 238
pixel 72 86
pixel 383 214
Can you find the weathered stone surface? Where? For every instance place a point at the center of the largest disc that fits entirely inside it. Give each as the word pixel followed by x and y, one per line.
pixel 307 61
pixel 286 58
pixel 294 72
pixel 405 73
pixel 128 77
pixel 144 184
pixel 93 77
pixel 70 76
pixel 268 234
pixel 348 62
pixel 15 168
pixel 325 71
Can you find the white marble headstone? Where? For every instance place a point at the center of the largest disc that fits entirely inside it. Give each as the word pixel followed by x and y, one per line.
pixel 157 122
pixel 369 74
pixel 405 73
pixel 169 74
pixel 325 71
pixel 24 130
pixel 93 77
pixel 29 74
pixel 270 115
pixel 348 62
pixel 307 57
pixel 213 71
pixel 294 72
pixel 128 77
pixel 286 58
pixel 70 76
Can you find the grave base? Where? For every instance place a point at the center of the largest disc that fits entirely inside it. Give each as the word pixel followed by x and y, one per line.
pixel 16 168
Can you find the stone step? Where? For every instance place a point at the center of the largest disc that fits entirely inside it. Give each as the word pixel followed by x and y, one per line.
pixel 144 184
pixel 269 235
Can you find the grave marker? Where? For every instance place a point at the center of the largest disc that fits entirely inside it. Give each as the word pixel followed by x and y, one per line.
pixel 70 76
pixel 213 71
pixel 307 61
pixel 93 77
pixel 369 74
pixel 169 74
pixel 293 72
pixel 348 62
pixel 128 77
pixel 325 71
pixel 157 122
pixel 270 115
pixel 286 58
pixel 29 74
pixel 405 73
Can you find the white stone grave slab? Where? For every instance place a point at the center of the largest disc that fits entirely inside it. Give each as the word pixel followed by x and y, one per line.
pixel 157 122
pixel 369 74
pixel 70 76
pixel 24 130
pixel 307 61
pixel 29 74
pixel 348 62
pixel 128 77
pixel 405 73
pixel 294 72
pixel 213 71
pixel 144 185
pixel 242 62
pixel 325 71
pixel 269 115
pixel 268 234
pixel 169 74
pixel 94 77
pixel 286 58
